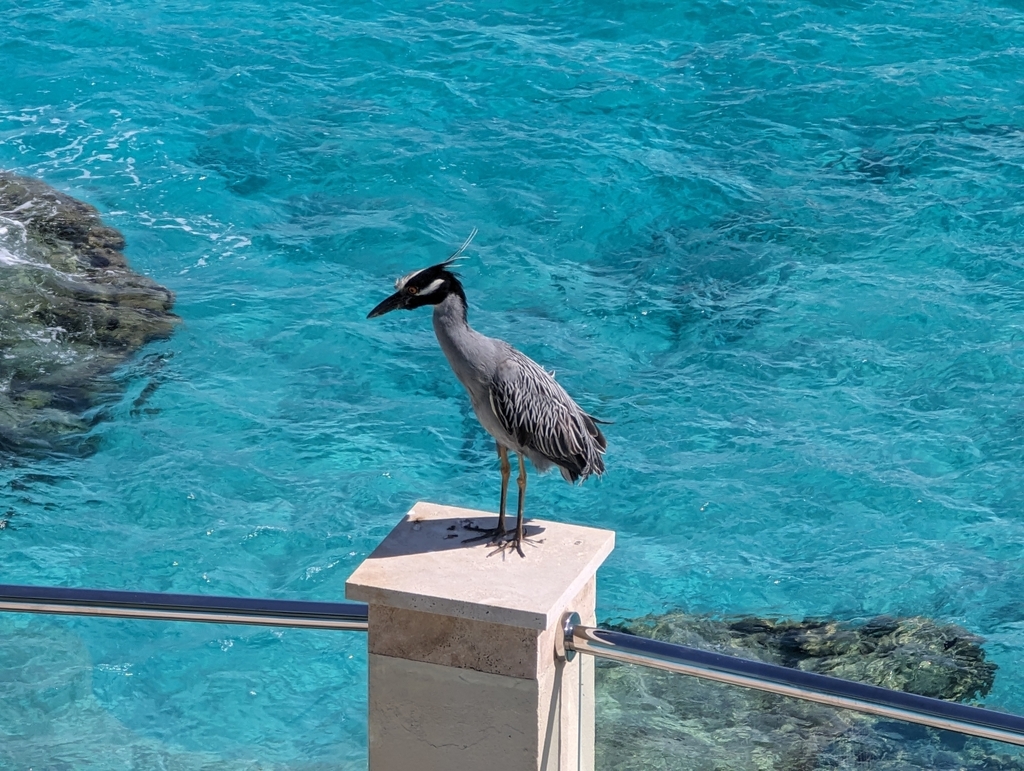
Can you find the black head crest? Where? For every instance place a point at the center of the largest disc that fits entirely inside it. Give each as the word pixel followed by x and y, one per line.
pixel 427 286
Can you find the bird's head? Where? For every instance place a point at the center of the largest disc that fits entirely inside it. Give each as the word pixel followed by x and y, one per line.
pixel 428 286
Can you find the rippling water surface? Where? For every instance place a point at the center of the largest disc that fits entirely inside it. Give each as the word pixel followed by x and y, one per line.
pixel 777 243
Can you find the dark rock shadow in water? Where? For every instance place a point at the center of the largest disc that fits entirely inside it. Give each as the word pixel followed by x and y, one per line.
pixel 71 311
pixel 659 720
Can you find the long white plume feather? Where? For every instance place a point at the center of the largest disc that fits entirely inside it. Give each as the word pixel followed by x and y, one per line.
pixel 461 249
pixel 400 283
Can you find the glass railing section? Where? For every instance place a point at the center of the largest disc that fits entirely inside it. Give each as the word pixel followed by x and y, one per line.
pixel 726 712
pixel 807 686
pixel 189 695
pixel 653 720
pixel 96 694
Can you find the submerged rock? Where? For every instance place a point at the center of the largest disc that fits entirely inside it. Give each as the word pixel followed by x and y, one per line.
pixel 915 654
pixel 654 720
pixel 71 309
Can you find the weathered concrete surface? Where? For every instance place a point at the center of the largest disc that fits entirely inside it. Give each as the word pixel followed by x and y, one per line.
pixel 71 310
pixel 425 564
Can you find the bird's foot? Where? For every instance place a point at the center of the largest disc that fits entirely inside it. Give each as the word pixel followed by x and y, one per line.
pixel 503 539
pixel 511 543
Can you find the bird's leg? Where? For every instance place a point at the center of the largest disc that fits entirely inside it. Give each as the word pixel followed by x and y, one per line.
pixel 499 532
pixel 506 472
pixel 517 540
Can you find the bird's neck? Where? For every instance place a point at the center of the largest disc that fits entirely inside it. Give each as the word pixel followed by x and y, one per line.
pixel 450 318
pixel 462 345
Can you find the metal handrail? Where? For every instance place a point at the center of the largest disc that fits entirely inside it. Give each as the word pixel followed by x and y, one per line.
pixel 350 616
pixel 576 638
pixel 796 683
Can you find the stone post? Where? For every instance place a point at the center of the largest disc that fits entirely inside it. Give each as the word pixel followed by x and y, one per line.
pixel 463 670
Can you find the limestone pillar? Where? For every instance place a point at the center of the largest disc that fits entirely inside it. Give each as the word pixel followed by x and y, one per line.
pixel 463 671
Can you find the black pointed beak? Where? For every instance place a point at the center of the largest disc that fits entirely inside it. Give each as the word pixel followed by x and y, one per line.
pixel 392 303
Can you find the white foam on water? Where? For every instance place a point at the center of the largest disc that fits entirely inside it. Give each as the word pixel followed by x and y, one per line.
pixel 7 258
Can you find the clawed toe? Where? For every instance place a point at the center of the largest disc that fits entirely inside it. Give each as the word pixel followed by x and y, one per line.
pixel 499 537
pixel 511 543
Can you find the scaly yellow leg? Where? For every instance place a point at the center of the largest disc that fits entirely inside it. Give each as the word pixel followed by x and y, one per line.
pixel 506 472
pixel 518 540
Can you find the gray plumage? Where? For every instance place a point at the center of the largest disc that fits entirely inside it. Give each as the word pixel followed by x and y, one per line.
pixel 516 401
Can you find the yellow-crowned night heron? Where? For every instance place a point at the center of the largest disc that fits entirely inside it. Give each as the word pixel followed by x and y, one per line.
pixel 514 398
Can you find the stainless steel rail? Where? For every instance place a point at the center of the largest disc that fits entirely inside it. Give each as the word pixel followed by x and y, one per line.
pixel 576 638
pixel 351 616
pixel 809 686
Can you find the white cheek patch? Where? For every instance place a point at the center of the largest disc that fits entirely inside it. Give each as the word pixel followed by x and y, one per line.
pixel 433 286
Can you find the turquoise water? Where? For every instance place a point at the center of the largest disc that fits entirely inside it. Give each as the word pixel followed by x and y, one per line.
pixel 778 243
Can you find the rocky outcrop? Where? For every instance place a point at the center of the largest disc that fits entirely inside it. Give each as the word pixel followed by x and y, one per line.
pixel 915 654
pixel 652 720
pixel 71 310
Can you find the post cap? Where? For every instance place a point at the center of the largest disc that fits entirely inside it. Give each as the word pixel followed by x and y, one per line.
pixel 425 564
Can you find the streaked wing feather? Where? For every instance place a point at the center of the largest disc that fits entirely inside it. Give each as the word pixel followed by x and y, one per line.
pixel 540 416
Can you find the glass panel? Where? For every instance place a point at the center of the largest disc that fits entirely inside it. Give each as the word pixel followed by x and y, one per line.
pixel 649 720
pixel 110 694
